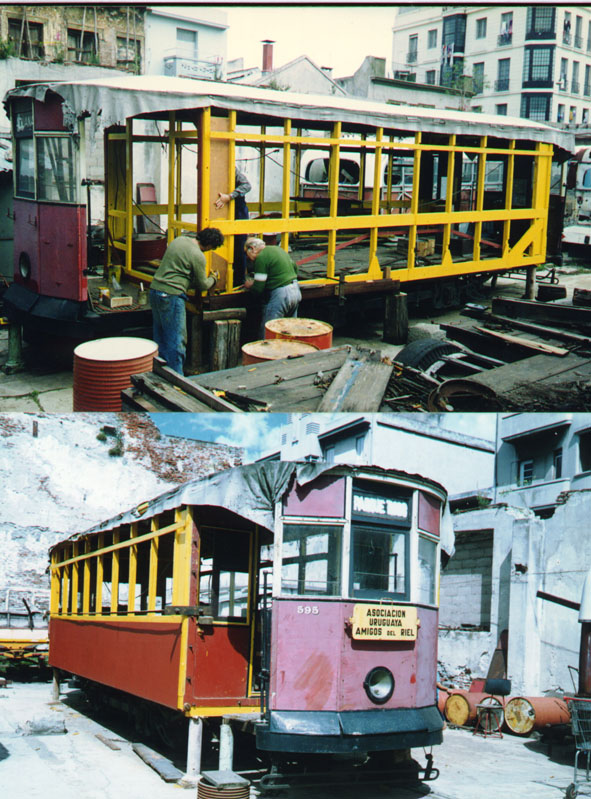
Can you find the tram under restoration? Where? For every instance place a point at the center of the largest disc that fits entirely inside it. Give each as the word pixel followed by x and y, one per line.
pixel 184 138
pixel 303 593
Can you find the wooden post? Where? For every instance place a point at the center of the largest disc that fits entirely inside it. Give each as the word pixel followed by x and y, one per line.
pixel 219 345
pixel 395 319
pixel 226 746
pixel 195 347
pixel 194 743
pixel 530 283
pixel 234 328
pixel 15 362
pixel 55 686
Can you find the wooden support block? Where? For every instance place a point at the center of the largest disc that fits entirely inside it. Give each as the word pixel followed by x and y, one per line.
pixel 218 348
pixel 395 319
pixel 167 770
pixel 195 346
pixel 359 385
pixel 234 352
pixel 581 297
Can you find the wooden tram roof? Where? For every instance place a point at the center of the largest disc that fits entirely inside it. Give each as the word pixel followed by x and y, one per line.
pixel 111 100
pixel 252 491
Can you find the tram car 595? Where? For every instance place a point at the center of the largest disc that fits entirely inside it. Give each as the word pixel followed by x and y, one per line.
pixel 300 599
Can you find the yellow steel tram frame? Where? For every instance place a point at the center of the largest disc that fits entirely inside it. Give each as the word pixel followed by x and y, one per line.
pixel 529 250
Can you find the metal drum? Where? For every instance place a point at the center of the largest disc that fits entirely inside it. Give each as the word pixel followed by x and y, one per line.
pixel 524 714
pixel 103 368
pixel 461 707
pixel 309 330
pixel 272 349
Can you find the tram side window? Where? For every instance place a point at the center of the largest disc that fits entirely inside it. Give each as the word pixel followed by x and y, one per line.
pixel 311 560
pixel 25 168
pixel 379 562
pixel 223 574
pixel 427 570
pixel 56 169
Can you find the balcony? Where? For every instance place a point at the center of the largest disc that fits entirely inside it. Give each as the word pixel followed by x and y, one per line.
pixel 587 90
pixel 575 87
pixel 502 85
pixel 180 66
pixel 579 42
pixel 411 57
pixel 503 39
pixel 521 425
pixel 563 84
pixel 548 33
pixel 567 38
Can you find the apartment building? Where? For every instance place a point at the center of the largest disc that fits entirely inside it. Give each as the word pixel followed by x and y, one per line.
pixel 533 62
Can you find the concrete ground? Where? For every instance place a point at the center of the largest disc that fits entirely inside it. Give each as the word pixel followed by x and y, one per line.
pixel 46 384
pixel 76 764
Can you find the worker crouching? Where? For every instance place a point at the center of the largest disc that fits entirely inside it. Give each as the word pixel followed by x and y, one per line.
pixel 274 278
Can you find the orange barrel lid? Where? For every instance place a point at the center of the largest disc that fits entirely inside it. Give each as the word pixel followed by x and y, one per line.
pixel 273 349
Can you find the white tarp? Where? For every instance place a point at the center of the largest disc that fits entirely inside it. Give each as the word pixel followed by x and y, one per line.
pixel 110 101
pixel 253 491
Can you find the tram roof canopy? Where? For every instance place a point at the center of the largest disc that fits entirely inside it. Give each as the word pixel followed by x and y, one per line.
pixel 111 100
pixel 252 492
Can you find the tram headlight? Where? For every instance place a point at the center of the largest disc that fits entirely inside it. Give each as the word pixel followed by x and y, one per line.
pixel 24 266
pixel 379 684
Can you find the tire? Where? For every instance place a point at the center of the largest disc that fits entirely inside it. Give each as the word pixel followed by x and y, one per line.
pixel 424 352
pixel 571 791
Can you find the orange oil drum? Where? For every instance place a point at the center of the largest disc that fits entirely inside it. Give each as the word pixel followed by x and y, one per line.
pixel 309 330
pixel 103 368
pixel 273 349
pixel 461 707
pixel 526 713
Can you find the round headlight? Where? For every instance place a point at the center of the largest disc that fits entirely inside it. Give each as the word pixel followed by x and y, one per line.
pixel 379 684
pixel 24 266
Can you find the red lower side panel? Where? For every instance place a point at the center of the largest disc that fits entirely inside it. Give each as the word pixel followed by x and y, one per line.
pixel 220 664
pixel 141 658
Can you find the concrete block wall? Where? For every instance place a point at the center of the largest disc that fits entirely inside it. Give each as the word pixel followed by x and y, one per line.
pixel 466 582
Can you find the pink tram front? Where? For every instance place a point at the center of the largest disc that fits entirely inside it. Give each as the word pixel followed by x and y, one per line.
pixel 308 591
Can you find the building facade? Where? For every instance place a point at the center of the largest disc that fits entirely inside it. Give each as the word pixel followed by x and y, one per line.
pixel 533 62
pixel 184 45
pixel 541 457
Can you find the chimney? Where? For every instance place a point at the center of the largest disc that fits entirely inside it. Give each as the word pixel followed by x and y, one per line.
pixel 268 55
pixel 327 71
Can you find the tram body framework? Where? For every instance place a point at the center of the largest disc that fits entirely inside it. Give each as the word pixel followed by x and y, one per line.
pixel 204 129
pixel 304 593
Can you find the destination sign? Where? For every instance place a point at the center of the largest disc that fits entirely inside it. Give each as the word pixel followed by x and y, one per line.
pixel 384 623
pixel 380 506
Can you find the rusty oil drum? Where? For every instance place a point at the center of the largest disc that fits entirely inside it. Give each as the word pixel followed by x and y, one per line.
pixel 526 713
pixel 461 707
pixel 103 368
pixel 273 349
pixel 310 331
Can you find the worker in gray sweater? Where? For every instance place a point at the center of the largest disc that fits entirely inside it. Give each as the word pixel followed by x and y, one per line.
pixel 182 267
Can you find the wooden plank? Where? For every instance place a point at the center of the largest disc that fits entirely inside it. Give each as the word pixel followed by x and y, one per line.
pixel 224 313
pixel 539 346
pixel 481 344
pixel 245 378
pixel 360 385
pixel 567 314
pixel 189 386
pixel 132 401
pixel 161 765
pixel 537 369
pixel 172 397
pixel 541 330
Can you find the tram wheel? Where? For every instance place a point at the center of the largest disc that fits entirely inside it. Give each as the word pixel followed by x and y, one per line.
pixel 424 352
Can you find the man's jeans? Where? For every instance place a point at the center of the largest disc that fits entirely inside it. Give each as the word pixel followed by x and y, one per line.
pixel 283 302
pixel 169 322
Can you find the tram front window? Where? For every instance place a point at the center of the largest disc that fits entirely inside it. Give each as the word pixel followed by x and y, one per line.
pixel 56 169
pixel 379 562
pixel 311 561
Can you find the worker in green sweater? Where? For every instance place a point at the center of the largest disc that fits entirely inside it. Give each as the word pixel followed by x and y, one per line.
pixel 182 266
pixel 274 278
